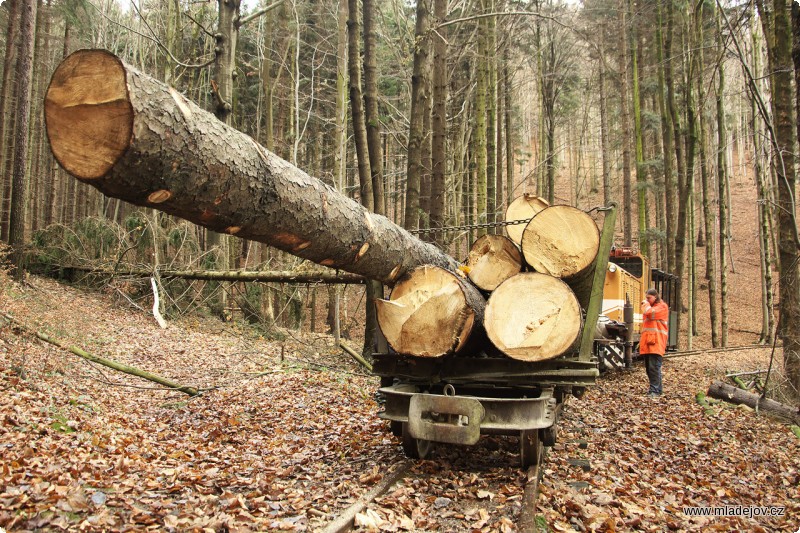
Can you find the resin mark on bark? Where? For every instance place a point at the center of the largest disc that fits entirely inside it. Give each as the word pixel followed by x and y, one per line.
pixel 233 230
pixel 362 251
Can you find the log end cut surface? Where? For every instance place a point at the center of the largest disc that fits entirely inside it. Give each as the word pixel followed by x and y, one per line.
pixel 492 260
pixel 533 317
pixel 427 314
pixel 522 208
pixel 561 241
pixel 88 113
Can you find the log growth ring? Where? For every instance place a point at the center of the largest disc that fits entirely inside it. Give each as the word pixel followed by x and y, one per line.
pixel 88 113
pixel 533 317
pixel 560 240
pixel 427 314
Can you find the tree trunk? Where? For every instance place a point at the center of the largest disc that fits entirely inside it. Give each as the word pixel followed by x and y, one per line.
pixel 641 175
pixel 788 242
pixel 604 142
pixel 7 118
pixel 493 259
pixel 372 116
pixel 431 313
pixel 627 199
pixel 357 106
pixel 23 109
pixel 682 192
pixel 439 123
pixel 722 187
pixel 479 152
pixel 419 93
pixel 729 393
pixel 670 186
pixel 533 332
pixel 135 139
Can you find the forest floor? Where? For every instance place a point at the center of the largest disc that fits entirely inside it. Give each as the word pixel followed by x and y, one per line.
pixel 285 435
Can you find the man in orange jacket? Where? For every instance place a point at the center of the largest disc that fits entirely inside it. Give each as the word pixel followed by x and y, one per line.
pixel 653 342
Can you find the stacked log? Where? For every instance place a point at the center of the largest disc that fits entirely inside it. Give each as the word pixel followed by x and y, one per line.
pixel 493 259
pixel 529 316
pixel 431 312
pixel 136 139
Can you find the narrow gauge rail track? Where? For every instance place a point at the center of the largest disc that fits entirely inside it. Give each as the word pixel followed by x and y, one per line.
pixel 688 353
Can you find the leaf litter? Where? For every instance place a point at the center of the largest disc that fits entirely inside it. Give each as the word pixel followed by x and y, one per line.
pixel 278 443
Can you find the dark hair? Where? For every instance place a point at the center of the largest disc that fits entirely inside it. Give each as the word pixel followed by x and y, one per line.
pixel 653 292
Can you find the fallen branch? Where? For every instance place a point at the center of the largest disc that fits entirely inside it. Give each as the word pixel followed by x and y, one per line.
pixel 729 393
pixel 345 520
pixel 312 276
pixel 127 369
pixel 355 355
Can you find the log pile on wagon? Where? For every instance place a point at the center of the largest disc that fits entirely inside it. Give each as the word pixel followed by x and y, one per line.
pixel 136 139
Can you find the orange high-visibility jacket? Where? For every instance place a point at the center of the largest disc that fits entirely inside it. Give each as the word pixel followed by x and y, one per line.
pixel 655 328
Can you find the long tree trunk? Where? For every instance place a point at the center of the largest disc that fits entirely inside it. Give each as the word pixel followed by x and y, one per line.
pixel 604 142
pixel 439 123
pixel 372 116
pixel 788 242
pixel 419 93
pixel 133 138
pixel 23 109
pixel 627 199
pixel 641 175
pixel 722 187
pixel 357 106
pixel 480 154
pixel 706 185
pixel 670 185
pixel 491 113
pixel 7 119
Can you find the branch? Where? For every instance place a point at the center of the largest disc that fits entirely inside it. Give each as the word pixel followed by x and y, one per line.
pixel 191 391
pixel 504 13
pixel 155 39
pixel 187 15
pixel 258 13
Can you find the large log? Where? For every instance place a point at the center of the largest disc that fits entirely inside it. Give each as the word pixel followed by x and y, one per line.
pixel 431 313
pixel 533 317
pixel 136 139
pixel 522 208
pixel 729 393
pixel 561 241
pixel 493 259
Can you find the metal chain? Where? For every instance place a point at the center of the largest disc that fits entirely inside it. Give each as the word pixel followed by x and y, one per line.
pixel 472 226
pixel 490 224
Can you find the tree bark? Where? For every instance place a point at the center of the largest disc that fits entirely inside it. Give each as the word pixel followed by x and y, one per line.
pixel 136 139
pixel 372 116
pixel 357 106
pixel 722 187
pixel 788 245
pixel 23 109
pixel 6 118
pixel 420 81
pixel 729 393
pixel 439 124
pixel 627 200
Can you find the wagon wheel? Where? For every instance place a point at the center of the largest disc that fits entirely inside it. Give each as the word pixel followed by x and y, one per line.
pixel 530 448
pixel 415 448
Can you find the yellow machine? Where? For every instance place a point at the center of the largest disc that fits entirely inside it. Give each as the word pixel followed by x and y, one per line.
pixel 628 277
